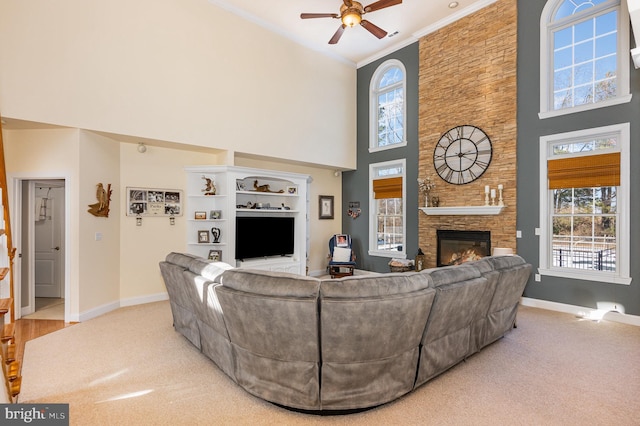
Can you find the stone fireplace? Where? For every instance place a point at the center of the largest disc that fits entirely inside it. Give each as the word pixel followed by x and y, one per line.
pixel 457 247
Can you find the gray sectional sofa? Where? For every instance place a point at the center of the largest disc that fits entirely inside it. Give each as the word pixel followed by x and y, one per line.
pixel 341 344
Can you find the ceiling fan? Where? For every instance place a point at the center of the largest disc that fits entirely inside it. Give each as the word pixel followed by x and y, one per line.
pixel 351 15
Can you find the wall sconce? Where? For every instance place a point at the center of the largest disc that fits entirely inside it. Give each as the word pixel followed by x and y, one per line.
pixel 172 220
pixel 138 221
pixel 142 148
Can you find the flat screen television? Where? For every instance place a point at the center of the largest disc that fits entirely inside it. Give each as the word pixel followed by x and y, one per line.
pixel 264 236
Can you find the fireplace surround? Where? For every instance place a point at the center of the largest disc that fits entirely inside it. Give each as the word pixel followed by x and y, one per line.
pixel 456 247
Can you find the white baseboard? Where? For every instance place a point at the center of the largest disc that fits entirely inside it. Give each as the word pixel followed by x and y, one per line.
pixel 95 312
pixel 158 297
pixel 112 306
pixel 606 310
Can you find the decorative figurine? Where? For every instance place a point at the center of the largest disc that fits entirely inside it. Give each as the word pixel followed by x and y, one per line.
pixel 210 187
pixel 101 208
pixel 216 234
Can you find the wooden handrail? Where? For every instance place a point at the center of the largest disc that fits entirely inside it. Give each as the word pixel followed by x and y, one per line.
pixel 7 222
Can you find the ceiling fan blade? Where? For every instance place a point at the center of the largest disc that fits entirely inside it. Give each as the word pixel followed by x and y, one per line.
pixel 338 34
pixel 373 29
pixel 380 5
pixel 318 15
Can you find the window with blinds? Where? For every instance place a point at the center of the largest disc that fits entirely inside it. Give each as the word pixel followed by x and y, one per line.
pixel 387 206
pixel 584 188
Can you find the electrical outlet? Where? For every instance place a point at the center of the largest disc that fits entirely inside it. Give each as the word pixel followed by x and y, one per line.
pixel 98 236
pixel 537 277
pixel 537 231
pixel 518 234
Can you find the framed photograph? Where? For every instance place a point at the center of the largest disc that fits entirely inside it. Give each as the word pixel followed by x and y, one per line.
pixel 154 202
pixel 200 215
pixel 292 190
pixel 203 236
pixel 215 255
pixel 326 206
pixel 341 240
pixel 240 186
pixel 215 214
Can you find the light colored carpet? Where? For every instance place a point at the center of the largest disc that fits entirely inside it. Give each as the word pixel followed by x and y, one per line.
pixel 130 367
pixel 49 308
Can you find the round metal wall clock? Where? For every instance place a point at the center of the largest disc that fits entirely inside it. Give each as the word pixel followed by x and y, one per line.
pixel 462 154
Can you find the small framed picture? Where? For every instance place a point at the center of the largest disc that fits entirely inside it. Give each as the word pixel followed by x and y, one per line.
pixel 200 215
pixel 203 236
pixel 341 240
pixel 326 206
pixel 215 255
pixel 292 190
pixel 215 214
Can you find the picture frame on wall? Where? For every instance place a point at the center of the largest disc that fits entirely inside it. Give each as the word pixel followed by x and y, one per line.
pixel 154 202
pixel 203 236
pixel 326 206
pixel 200 215
pixel 215 255
pixel 215 214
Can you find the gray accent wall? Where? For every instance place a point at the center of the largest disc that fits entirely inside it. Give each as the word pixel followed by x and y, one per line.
pixel 355 184
pixel 530 129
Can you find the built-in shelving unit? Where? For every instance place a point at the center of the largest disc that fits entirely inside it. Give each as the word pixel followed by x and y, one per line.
pixel 241 191
pixel 462 210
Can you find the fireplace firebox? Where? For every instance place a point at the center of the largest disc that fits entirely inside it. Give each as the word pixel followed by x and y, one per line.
pixel 457 247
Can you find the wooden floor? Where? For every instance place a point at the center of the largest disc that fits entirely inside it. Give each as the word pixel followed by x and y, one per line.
pixel 28 329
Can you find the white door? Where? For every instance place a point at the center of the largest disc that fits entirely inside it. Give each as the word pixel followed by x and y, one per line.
pixel 48 241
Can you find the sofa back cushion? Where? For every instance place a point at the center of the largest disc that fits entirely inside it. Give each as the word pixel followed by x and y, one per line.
pixel 270 314
pixel 374 316
pixel 272 321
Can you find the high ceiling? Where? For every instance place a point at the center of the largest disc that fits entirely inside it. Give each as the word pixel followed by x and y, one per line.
pixel 405 23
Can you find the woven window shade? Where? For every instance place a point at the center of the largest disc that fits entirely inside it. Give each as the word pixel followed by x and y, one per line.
pixel 387 188
pixel 584 172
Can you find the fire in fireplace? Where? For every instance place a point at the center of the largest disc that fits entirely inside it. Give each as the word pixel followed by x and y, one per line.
pixel 457 247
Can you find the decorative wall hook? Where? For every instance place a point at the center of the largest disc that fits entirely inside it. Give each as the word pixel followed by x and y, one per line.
pixel 354 209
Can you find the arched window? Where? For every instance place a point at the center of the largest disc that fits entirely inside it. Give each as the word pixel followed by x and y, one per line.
pixel 584 55
pixel 387 107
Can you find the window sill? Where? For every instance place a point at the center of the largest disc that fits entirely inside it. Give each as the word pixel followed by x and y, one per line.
pixel 602 277
pixel 557 113
pixel 384 148
pixel 389 254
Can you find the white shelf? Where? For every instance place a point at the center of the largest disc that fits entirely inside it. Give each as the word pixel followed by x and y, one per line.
pixel 260 193
pixel 267 210
pixel 462 210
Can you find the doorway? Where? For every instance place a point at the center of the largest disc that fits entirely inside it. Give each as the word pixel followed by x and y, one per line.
pixel 43 249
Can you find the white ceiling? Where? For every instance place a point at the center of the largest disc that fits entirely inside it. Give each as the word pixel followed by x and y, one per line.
pixel 407 21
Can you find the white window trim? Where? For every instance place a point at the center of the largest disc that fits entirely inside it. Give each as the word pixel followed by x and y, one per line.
pixel 372 210
pixel 546 73
pixel 622 275
pixel 373 105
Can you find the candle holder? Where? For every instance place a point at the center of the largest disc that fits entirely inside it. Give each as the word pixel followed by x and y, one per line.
pixel 500 200
pixel 486 199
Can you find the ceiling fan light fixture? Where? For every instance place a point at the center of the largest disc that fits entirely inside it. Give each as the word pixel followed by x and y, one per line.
pixel 351 18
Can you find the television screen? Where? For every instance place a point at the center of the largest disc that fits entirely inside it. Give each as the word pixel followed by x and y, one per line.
pixel 262 236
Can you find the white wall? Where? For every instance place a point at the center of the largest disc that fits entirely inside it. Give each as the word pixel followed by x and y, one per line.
pixel 53 153
pixel 143 247
pixel 182 71
pixel 99 260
